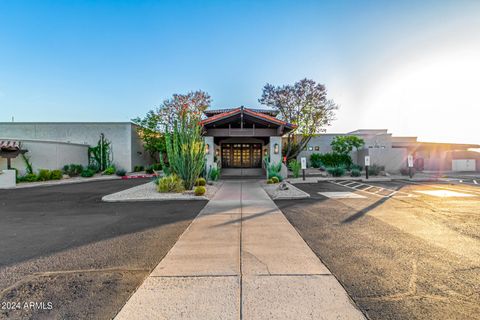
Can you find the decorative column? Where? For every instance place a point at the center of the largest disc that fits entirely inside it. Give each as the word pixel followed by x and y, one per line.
pixel 275 151
pixel 210 152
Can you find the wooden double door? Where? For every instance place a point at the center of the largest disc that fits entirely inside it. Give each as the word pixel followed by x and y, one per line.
pixel 241 155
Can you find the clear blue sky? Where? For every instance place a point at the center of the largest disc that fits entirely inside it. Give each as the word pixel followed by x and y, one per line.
pixel 382 61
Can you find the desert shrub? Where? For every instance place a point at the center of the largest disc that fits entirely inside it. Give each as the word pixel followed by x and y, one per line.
pixel 138 168
pixel 110 170
pixel 335 160
pixel 374 170
pixel 214 174
pixel 355 173
pixel 29 177
pixel 315 160
pixel 171 183
pixel 56 175
pixel 149 170
pixel 72 169
pixel 93 167
pixel 87 173
pixel 275 180
pixel 43 175
pixel 356 167
pixel 269 181
pixel 295 166
pixel 200 182
pixel 273 170
pixel 121 173
pixel 200 190
pixel 336 171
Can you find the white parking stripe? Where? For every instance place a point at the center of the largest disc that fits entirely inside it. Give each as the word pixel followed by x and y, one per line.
pixel 475 182
pixel 393 194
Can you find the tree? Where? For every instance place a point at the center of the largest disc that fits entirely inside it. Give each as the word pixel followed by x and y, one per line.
pixel 345 144
pixel 149 131
pixel 157 122
pixel 304 104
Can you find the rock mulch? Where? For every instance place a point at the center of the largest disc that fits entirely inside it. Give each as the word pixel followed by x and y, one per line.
pixel 276 192
pixel 148 192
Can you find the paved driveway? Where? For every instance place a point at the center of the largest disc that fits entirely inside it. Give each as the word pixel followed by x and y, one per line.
pixel 63 245
pixel 409 254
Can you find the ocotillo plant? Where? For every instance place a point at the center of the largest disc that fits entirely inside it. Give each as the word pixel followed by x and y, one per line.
pixel 186 150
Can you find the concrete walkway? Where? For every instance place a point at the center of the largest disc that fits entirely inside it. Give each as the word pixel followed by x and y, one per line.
pixel 240 259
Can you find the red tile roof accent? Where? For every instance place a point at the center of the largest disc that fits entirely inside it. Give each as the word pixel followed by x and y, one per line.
pixel 9 145
pixel 247 111
pixel 220 116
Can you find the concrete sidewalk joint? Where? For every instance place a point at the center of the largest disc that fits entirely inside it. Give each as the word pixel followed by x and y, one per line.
pixel 240 259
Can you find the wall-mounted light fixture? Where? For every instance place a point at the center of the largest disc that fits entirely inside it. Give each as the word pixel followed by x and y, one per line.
pixel 207 148
pixel 276 148
pixel 217 152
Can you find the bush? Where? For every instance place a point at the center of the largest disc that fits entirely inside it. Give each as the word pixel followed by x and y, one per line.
pixel 269 181
pixel 73 170
pixel 138 168
pixel 93 167
pixel 315 160
pixel 56 174
pixel 295 166
pixel 355 173
pixel 273 170
pixel 335 160
pixel 356 167
pixel 109 170
pixel 200 182
pixel 200 190
pixel 214 174
pixel 374 170
pixel 149 170
pixel 87 173
pixel 29 177
pixel 121 173
pixel 336 171
pixel 43 175
pixel 275 180
pixel 171 183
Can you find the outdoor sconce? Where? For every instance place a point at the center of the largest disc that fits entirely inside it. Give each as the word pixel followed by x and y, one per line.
pixel 217 152
pixel 207 148
pixel 276 148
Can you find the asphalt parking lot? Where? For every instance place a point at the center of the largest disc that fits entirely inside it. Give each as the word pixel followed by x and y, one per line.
pixel 77 257
pixel 401 250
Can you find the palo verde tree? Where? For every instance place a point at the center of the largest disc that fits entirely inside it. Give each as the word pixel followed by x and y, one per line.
pixel 345 144
pixel 304 104
pixel 149 130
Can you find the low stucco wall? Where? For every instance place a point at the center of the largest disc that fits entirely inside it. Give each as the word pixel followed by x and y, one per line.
pixel 393 159
pixel 48 155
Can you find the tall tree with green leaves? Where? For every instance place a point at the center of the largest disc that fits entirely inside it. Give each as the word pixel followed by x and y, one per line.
pixel 149 130
pixel 304 104
pixel 345 144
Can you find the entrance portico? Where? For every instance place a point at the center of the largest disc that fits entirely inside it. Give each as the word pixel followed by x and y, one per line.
pixel 242 138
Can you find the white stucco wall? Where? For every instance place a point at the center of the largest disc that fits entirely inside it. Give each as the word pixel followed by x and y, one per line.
pixel 48 155
pixel 125 148
pixel 275 157
pixel 210 156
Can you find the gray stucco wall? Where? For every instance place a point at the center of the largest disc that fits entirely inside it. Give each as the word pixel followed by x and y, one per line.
pixel 125 142
pixel 49 155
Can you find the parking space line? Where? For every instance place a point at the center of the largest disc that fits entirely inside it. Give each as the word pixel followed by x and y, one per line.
pixel 392 194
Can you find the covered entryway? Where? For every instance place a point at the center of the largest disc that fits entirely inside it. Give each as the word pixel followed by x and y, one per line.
pixel 241 155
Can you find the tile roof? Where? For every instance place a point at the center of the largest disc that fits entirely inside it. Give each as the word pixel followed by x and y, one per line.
pixel 252 112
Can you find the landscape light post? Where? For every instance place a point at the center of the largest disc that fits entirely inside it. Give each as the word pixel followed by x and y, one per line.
pixel 367 164
pixel 410 165
pixel 303 162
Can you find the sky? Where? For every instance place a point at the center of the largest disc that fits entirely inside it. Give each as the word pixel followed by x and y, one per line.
pixel 412 67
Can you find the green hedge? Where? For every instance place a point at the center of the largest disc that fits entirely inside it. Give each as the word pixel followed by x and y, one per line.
pixel 330 159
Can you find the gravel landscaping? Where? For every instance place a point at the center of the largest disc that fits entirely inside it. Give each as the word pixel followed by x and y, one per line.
pixel 276 193
pixel 148 192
